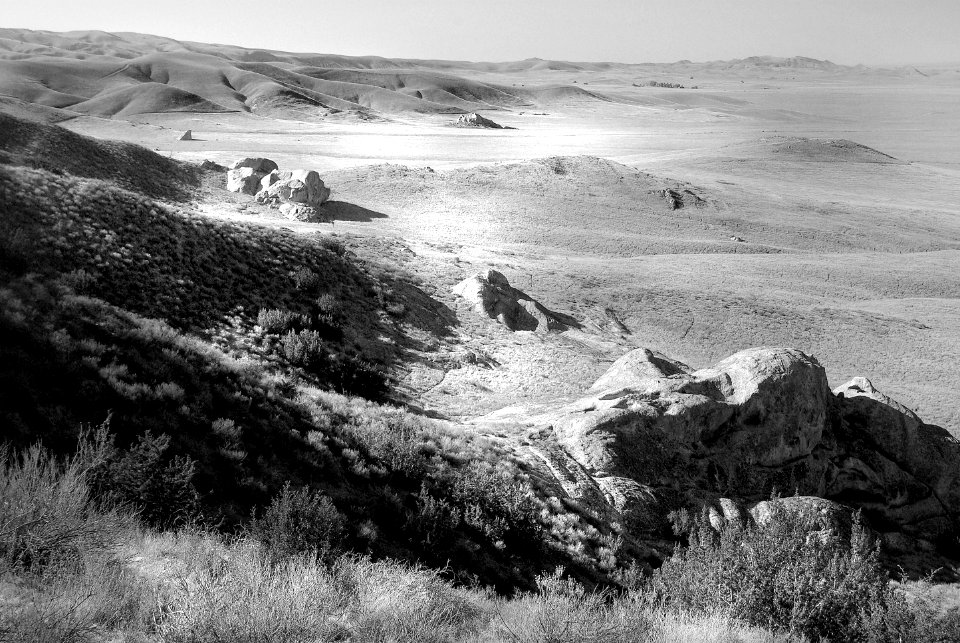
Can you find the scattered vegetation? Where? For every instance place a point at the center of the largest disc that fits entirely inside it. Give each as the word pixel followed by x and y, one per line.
pixel 103 575
pixel 299 521
pixel 60 151
pixel 657 83
pixel 788 577
pixel 239 369
pixel 278 321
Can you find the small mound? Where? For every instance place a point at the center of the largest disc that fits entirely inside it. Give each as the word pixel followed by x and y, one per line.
pixel 827 151
pixel 562 95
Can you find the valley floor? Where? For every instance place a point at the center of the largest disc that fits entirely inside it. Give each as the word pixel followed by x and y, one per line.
pixel 846 253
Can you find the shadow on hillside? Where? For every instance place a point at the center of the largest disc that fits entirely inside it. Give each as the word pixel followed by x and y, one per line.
pixel 57 150
pixel 343 211
pixel 238 425
pixel 214 278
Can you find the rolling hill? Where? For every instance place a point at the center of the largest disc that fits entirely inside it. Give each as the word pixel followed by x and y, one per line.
pixel 120 75
pixel 124 74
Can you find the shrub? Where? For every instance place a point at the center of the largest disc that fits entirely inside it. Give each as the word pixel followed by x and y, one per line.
pixel 80 280
pixel 304 348
pixel 144 477
pixel 239 594
pixel 305 279
pixel 358 377
pixel 60 546
pixel 227 430
pixel 500 504
pixel 784 576
pixel 333 245
pixel 299 521
pixel 327 310
pixel 15 251
pixel 46 512
pixel 276 320
pixel 563 611
pixel 79 601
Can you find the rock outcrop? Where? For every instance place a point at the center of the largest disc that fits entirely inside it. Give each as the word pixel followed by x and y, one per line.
pixel 243 180
pixel 819 515
pixel 245 174
pixel 656 436
pixel 297 194
pixel 903 473
pixel 492 295
pixel 654 430
pixel 302 187
pixel 258 164
pixel 678 198
pixel 476 120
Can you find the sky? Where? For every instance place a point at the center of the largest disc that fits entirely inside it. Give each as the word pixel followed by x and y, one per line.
pixel 872 32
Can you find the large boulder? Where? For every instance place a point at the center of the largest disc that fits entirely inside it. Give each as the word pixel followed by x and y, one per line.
pixel 746 421
pixel 903 473
pixel 492 295
pixel 656 436
pixel 257 164
pixel 298 187
pixel 245 175
pixel 243 180
pixel 476 120
pixel 820 516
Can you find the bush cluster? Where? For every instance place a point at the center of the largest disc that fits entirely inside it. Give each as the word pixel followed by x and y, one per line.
pixel 46 512
pixel 150 481
pixel 278 320
pixel 790 578
pixel 305 348
pixel 299 521
pixel 74 580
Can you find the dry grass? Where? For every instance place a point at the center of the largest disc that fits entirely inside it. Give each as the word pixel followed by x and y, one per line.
pixel 193 586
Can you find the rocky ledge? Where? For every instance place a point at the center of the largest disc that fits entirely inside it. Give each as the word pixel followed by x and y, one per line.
pixel 653 435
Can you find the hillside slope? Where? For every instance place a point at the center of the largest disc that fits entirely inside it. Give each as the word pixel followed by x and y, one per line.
pixel 121 75
pixel 255 353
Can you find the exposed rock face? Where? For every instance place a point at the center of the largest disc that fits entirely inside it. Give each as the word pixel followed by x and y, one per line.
pixel 637 368
pixel 819 515
pixel 681 198
pixel 656 436
pixel 243 180
pixel 212 165
pixel 297 193
pixel 655 428
pixel 258 165
pixel 298 187
pixel 245 174
pixel 269 179
pixel 492 295
pixel 904 474
pixel 476 120
pixel 299 212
